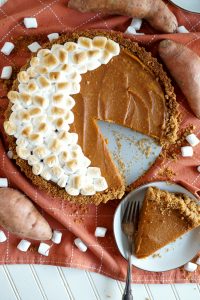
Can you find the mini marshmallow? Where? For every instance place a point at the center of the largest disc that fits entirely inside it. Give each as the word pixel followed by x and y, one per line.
pixel 130 30
pixel 80 245
pixel 44 249
pixel 182 29
pixel 100 231
pixel 10 154
pixel 46 174
pixel 37 168
pixel 3 182
pixel 100 184
pixel 190 267
pixel 62 181
pixel 30 23
pixel 94 172
pixel 23 245
pixel 7 48
pixel 6 72
pixel 71 191
pixel 136 23
pixel 192 139
pixel 56 237
pixel 3 237
pixel 198 261
pixel 186 151
pixel 88 190
pixel 34 47
pixel 53 36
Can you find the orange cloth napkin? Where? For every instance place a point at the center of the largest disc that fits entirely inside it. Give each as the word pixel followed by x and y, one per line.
pixel 73 220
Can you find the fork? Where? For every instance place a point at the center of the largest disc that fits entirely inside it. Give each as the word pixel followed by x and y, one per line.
pixel 129 226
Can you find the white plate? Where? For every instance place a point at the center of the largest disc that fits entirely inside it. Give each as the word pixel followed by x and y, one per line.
pixel 169 257
pixel 189 5
pixel 128 149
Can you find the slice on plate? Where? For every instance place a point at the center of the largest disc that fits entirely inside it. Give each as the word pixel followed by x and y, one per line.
pixel 164 217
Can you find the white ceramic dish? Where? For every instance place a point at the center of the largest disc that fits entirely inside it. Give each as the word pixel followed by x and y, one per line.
pixel 189 5
pixel 169 257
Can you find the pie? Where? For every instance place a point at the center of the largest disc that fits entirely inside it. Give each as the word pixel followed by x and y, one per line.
pixel 60 94
pixel 164 217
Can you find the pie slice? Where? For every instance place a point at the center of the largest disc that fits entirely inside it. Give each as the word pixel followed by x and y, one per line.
pixel 164 217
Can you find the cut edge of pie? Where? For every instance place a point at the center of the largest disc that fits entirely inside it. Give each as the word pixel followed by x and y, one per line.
pixel 169 132
pixel 164 217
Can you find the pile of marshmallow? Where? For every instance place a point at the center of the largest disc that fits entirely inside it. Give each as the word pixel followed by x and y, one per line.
pixel 44 248
pixel 137 23
pixel 41 113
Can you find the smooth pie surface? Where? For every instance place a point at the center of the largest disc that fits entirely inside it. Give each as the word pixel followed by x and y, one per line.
pixel 123 92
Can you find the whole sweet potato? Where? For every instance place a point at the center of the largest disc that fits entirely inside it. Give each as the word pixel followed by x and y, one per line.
pixel 184 66
pixel 154 11
pixel 19 216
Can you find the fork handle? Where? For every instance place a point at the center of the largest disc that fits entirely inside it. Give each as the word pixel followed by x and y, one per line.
pixel 127 291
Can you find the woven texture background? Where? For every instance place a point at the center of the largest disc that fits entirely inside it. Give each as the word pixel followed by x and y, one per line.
pixel 74 220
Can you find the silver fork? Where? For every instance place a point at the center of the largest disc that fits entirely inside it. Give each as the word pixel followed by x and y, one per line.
pixel 129 226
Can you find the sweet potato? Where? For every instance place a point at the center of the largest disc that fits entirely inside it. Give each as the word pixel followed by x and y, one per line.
pixel 154 11
pixel 19 216
pixel 184 66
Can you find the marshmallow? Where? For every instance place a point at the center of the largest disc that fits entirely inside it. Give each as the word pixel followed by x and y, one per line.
pixel 34 61
pixel 88 190
pixel 9 127
pixel 198 261
pixel 192 139
pixel 92 65
pixel 56 237
pixel 31 72
pixel 43 52
pixel 23 77
pixel 40 101
pixel 71 191
pixel 23 245
pixel 69 103
pixel 30 23
pixel 64 86
pixel 190 267
pixel 25 99
pixel 80 57
pixel 69 117
pixel 26 131
pixel 99 42
pixel 93 172
pixel 85 42
pixel 182 29
pixel 41 152
pixel 34 47
pixel 82 69
pixel 22 152
pixel 6 72
pixel 32 86
pixel 46 174
pixel 7 48
pixel 112 47
pixel 10 154
pixel 70 46
pixel 75 88
pixel 130 30
pixel 198 169
pixel 100 184
pixel 43 82
pixel 62 55
pixel 62 181
pixel 136 23
pixel 106 57
pixel 72 165
pixel 50 160
pixel 32 160
pixel 53 36
pixel 13 96
pixel 61 124
pixel 100 231
pixel 3 182
pixel 77 181
pixel 186 151
pixel 37 168
pixel 44 249
pixel 80 245
pixel 50 61
pixel 56 173
pixel 3 237
pixel 21 142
